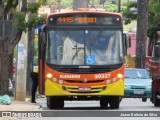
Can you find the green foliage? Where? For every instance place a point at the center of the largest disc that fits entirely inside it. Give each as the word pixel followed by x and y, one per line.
pixel 110 7
pixel 41 19
pixel 32 21
pixel 35 20
pixel 19 21
pixel 33 7
pixel 65 4
pixel 128 15
pixel 22 24
pixel 154 18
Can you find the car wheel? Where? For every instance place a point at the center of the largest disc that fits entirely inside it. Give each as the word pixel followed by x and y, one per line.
pixel 144 99
pixel 156 101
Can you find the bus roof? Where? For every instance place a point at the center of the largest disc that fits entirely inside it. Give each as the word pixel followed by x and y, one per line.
pixel 85 10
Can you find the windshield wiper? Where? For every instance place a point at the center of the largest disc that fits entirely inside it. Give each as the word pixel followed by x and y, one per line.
pixel 69 35
pixel 74 44
pixel 77 50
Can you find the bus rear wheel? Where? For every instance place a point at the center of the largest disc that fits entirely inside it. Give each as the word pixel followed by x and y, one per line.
pixel 55 102
pixel 114 102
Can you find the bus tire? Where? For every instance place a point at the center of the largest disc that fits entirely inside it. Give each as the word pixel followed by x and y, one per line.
pixel 114 102
pixel 156 101
pixel 55 102
pixel 103 102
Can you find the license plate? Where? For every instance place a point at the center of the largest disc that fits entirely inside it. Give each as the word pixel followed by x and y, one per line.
pixel 138 92
pixel 84 89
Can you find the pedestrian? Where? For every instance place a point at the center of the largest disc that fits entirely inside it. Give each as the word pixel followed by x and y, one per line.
pixel 34 76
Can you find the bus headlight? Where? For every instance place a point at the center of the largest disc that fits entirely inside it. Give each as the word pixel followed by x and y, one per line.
pixel 119 75
pixel 108 81
pixel 54 79
pixel 49 75
pixel 60 81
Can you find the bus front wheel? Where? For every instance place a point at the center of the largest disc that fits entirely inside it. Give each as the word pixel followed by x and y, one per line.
pixel 114 102
pixel 55 102
pixel 104 102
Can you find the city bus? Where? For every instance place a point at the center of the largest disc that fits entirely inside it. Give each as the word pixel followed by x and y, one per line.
pixel 81 57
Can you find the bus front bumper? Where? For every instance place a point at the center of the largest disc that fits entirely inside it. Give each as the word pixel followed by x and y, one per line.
pixel 114 89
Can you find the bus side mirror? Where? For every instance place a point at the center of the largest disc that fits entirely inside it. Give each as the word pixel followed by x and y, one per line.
pixel 42 36
pixel 42 39
pixel 127 42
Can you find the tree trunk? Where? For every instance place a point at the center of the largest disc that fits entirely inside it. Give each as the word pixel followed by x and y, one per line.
pixel 1 10
pixel 80 4
pixel 5 62
pixel 10 69
pixel 142 23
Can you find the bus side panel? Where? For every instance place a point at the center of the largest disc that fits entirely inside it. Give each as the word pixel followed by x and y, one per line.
pixel 41 64
pixel 40 78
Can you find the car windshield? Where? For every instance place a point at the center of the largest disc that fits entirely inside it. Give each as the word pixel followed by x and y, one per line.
pixel 136 73
pixel 84 47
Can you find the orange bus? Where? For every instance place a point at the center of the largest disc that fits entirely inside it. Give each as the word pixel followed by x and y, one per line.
pixel 81 56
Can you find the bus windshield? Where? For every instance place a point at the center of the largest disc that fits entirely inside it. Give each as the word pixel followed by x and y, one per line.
pixel 84 47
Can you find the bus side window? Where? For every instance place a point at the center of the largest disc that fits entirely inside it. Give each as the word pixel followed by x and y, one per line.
pixel 59 52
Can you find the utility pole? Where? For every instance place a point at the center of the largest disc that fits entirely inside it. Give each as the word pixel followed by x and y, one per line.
pixel 119 6
pixel 80 4
pixel 21 81
pixel 59 5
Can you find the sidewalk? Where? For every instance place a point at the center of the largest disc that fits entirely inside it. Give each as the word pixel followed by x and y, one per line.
pixel 20 106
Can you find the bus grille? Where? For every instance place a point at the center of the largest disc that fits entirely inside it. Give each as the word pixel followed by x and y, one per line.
pixel 92 90
pixel 90 81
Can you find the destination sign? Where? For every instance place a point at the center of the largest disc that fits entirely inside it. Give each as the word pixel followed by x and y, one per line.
pixel 83 19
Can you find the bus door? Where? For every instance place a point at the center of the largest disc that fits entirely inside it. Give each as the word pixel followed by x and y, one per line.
pixel 41 59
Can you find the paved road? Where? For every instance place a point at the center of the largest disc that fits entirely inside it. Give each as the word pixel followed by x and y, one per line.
pixel 92 109
pixel 127 104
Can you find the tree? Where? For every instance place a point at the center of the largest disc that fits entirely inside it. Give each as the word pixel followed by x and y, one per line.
pixel 153 19
pixel 65 4
pixel 128 14
pixel 8 44
pixel 148 20
pixel 142 23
